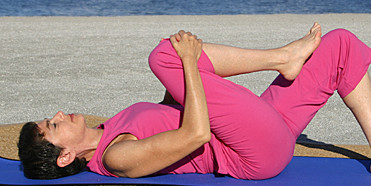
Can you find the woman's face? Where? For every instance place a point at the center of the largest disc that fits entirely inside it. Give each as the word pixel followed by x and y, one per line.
pixel 65 131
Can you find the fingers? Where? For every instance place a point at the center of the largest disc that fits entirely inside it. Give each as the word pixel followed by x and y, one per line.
pixel 173 40
pixel 188 35
pixel 186 44
pixel 184 35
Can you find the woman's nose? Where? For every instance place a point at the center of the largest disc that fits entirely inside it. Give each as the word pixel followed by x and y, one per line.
pixel 59 115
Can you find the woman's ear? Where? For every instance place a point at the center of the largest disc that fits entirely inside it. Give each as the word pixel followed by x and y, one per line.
pixel 66 157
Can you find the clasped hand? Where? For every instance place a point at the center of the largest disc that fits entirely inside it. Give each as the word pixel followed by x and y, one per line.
pixel 186 45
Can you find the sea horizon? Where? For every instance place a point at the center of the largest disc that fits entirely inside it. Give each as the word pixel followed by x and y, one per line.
pixel 170 7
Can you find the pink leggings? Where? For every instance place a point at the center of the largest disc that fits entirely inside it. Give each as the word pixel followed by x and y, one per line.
pixel 262 130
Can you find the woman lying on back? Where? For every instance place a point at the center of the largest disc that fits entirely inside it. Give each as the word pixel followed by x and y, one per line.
pixel 218 126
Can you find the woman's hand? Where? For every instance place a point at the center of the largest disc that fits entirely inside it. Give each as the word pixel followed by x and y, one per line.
pixel 186 45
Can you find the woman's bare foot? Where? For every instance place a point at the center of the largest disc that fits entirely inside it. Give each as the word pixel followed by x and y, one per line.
pixel 299 51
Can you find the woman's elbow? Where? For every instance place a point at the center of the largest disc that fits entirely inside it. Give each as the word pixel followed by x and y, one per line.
pixel 196 134
pixel 202 137
pixel 207 137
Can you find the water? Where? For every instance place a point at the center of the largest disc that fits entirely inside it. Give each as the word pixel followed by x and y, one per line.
pixel 178 7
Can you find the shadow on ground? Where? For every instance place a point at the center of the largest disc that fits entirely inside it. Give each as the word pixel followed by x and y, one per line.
pixel 309 143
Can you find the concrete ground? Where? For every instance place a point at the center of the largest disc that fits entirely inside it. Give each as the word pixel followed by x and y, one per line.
pixel 98 65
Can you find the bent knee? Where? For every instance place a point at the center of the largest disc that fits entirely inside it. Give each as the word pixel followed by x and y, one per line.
pixel 163 56
pixel 341 34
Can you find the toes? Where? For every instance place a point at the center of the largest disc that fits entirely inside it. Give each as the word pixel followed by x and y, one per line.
pixel 315 30
pixel 315 27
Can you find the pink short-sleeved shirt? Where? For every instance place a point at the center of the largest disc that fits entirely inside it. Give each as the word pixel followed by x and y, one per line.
pixel 144 120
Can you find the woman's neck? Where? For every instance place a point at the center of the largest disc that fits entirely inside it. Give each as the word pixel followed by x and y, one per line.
pixel 90 144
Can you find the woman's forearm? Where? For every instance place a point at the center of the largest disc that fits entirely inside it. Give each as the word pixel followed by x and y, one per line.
pixel 196 117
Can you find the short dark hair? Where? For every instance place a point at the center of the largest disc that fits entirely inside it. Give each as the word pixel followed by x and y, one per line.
pixel 39 156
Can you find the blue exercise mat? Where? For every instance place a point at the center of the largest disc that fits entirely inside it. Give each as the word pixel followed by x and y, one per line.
pixel 300 171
